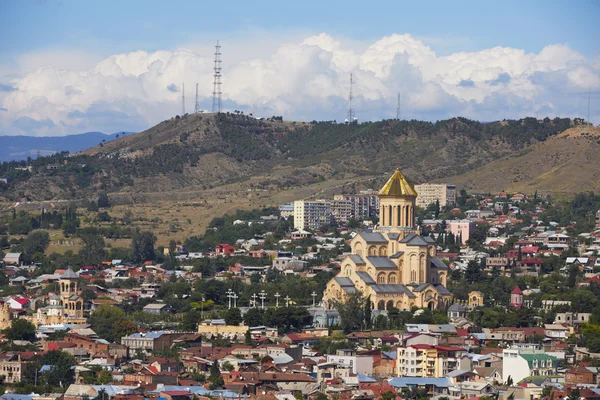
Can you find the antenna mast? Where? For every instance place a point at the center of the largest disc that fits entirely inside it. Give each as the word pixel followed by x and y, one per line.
pixel 182 99
pixel 197 105
pixel 398 108
pixel 216 107
pixel 350 115
pixel 589 97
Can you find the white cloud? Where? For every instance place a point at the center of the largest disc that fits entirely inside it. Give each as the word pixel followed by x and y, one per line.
pixel 304 78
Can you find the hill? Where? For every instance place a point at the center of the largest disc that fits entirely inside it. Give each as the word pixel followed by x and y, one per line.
pixel 562 165
pixel 230 155
pixel 15 148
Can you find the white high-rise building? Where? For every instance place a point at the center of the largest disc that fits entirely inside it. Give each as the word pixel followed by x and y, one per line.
pixel 429 193
pixel 311 214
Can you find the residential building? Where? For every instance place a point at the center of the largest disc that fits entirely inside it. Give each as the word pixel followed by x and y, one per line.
pixel 363 206
pixel 519 365
pixel 430 193
pixel 224 249
pixel 580 375
pixel 156 308
pixel 288 263
pixel 149 341
pixel 13 259
pixel 355 363
pixel 11 367
pixel 392 264
pixel 572 318
pixel 461 229
pixel 310 214
pixel 341 211
pixel 286 210
pixel 430 361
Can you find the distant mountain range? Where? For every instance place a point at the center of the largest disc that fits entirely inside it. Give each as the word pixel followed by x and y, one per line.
pixel 15 148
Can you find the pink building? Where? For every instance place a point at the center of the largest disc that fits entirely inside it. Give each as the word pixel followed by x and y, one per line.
pixel 461 228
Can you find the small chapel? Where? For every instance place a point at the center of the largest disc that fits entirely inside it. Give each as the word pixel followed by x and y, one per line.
pixel 392 264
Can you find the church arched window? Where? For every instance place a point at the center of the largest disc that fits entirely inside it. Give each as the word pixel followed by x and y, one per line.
pixel 383 251
pixel 372 250
pixel 381 277
pixel 392 278
pixel 358 249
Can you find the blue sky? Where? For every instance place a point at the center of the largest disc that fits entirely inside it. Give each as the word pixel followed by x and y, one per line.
pixel 78 35
pixel 117 26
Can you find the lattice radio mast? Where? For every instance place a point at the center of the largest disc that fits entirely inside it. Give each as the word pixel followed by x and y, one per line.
pixel 398 111
pixel 350 115
pixel 182 99
pixel 216 107
pixel 197 104
pixel 589 100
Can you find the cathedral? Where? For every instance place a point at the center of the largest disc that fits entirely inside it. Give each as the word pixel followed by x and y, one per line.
pixel 64 308
pixel 392 264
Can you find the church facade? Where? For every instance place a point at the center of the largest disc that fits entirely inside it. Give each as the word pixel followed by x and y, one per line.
pixel 392 264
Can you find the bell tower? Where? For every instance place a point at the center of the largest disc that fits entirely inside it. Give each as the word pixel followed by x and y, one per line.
pixel 397 200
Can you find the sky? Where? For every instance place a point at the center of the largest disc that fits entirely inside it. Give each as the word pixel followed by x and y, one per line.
pixel 71 66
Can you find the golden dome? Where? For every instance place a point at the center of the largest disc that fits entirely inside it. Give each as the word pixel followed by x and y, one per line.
pixel 397 185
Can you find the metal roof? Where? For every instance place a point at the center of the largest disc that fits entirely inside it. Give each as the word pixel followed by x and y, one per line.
pixel 373 237
pixel 358 260
pixel 382 263
pixel 437 263
pixel 343 281
pixel 397 185
pixel 69 274
pixel 366 278
pixel 421 287
pixel 414 240
pixel 413 381
pixel 397 255
pixel 393 288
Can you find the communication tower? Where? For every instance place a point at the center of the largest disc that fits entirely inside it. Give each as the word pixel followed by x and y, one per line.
pixel 197 104
pixel 398 111
pixel 182 99
pixel 216 107
pixel 350 115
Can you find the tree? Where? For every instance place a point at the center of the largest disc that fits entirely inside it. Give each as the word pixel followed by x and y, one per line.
pixel 20 329
pixel 254 317
pixel 92 252
pixel 60 372
pixel 110 323
pixel 509 381
pixel 103 201
pixel 142 246
pixel 37 241
pixel 215 378
pixel 233 316
pixel 351 312
pixel 227 366
pixel 190 320
pixel 248 338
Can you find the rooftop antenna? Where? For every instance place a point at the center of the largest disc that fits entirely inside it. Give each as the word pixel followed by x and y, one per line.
pixel 197 105
pixel 351 115
pixel 182 99
pixel 216 107
pixel 398 108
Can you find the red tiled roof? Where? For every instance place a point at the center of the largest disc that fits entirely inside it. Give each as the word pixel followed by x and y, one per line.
pixel 516 290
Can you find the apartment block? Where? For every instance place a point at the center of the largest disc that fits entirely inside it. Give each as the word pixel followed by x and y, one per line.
pixel 429 361
pixel 312 214
pixel 429 193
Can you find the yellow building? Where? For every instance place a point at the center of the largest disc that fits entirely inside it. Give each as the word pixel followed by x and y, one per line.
pixel 392 263
pixel 67 307
pixel 210 328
